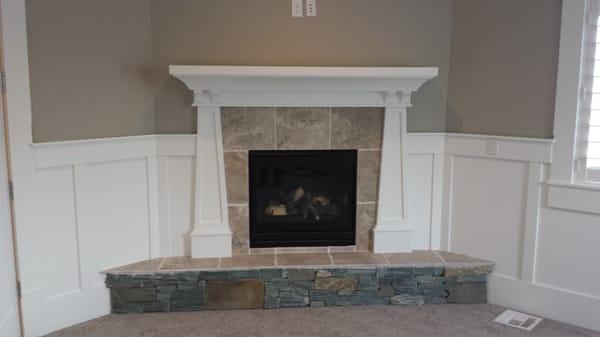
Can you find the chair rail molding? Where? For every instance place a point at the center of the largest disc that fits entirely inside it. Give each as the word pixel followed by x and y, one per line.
pixel 217 86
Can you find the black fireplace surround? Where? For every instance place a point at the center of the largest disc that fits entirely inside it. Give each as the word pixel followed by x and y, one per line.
pixel 302 198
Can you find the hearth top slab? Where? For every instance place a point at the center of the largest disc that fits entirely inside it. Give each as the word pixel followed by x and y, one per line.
pixel 453 263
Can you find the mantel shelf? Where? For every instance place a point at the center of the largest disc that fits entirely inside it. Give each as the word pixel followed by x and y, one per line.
pixel 303 86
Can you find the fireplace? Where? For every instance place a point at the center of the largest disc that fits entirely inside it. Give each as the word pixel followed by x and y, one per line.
pixel 302 198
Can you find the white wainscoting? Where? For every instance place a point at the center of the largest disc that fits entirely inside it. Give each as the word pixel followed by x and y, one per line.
pixel 497 206
pixel 112 201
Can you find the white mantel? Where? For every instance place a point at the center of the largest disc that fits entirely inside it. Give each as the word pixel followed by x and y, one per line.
pixel 217 86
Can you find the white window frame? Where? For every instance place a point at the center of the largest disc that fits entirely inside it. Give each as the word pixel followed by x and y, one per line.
pixel 589 63
pixel 568 152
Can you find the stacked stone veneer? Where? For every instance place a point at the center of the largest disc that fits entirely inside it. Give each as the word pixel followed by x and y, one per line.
pixel 283 288
pixel 271 128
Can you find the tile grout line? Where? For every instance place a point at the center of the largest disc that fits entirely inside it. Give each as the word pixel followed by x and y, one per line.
pixel 387 261
pixel 440 257
pixel 219 263
pixel 275 257
pixel 160 265
pixel 329 128
pixel 275 128
pixel 331 258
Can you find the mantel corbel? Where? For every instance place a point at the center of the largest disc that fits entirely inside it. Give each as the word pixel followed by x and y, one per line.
pixel 207 97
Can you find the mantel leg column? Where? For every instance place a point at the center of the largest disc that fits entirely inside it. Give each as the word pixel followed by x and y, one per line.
pixel 392 232
pixel 211 236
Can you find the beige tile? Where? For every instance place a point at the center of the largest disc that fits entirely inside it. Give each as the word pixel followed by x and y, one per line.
pixel 236 177
pixel 302 128
pixel 369 163
pixel 342 249
pixel 262 250
pixel 458 258
pixel 239 218
pixel 358 258
pixel 356 128
pixel 303 259
pixel 285 250
pixel 187 263
pixel 138 267
pixel 248 128
pixel 250 261
pixel 365 221
pixel 417 257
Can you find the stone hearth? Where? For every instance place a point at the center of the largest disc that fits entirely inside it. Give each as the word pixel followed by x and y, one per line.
pixel 280 128
pixel 297 280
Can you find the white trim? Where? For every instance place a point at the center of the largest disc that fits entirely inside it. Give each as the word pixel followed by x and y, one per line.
pixel 65 153
pixel 425 142
pixel 554 303
pixel 507 148
pixel 235 72
pixel 579 198
pixel 531 220
pixel 302 86
pixel 568 89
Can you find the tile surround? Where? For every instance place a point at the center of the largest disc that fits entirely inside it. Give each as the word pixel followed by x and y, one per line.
pixel 240 228
pixel 248 128
pixel 302 128
pixel 356 128
pixel 269 128
pixel 236 176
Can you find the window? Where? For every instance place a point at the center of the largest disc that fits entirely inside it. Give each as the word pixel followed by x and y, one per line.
pixel 589 118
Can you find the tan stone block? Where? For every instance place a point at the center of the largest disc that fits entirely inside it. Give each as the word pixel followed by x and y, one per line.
pixel 236 294
pixel 466 270
pixel 335 283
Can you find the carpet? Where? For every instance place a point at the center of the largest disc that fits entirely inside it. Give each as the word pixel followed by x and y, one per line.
pixel 382 321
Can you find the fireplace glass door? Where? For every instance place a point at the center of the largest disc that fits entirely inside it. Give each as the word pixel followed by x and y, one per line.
pixel 302 198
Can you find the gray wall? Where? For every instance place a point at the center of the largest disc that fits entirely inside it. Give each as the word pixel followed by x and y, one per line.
pixel 262 32
pixel 90 68
pixel 503 67
pixel 99 68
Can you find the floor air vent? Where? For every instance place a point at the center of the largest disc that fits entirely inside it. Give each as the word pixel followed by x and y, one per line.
pixel 518 320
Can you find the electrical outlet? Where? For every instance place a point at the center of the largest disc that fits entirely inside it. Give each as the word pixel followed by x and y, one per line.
pixel 297 8
pixel 311 7
pixel 492 147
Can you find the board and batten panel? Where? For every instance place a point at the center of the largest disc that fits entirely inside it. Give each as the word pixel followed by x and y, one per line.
pixel 419 173
pixel 112 212
pixel 487 211
pixel 49 255
pixel 568 253
pixel 178 191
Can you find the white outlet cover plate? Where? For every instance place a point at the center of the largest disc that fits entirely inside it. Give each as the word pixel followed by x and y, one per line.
pixel 311 7
pixel 297 8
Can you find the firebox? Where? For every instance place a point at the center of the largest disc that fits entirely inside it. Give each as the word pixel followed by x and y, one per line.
pixel 302 198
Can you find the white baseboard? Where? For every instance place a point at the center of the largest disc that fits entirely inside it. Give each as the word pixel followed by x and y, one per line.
pixel 553 303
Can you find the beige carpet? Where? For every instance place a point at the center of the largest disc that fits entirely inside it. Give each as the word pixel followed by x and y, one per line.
pixel 381 321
